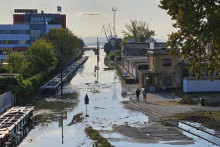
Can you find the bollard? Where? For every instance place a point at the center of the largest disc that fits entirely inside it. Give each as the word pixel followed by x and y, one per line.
pixel 202 102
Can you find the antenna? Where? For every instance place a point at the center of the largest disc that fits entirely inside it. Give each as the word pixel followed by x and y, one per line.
pixel 114 9
pixel 45 7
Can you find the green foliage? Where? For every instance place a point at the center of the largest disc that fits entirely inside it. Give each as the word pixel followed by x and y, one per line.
pixel 107 47
pixel 187 100
pixel 17 62
pixel 208 119
pixel 198 27
pixel 40 57
pixel 116 54
pixel 137 30
pixel 65 39
pixel 94 135
pixel 112 56
pixel 20 86
pixel 81 43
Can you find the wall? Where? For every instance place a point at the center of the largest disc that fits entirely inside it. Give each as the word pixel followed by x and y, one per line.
pixel 7 100
pixel 134 49
pixel 203 85
pixel 172 71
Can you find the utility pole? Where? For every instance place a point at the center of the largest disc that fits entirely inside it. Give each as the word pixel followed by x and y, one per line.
pixel 9 59
pixel 61 70
pixel 114 9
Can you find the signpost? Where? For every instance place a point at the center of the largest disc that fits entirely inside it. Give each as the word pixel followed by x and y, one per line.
pixel 86 102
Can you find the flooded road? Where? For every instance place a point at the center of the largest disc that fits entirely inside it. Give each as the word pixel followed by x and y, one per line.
pixel 105 111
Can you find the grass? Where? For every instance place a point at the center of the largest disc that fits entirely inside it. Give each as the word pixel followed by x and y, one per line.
pixel 210 120
pixel 94 135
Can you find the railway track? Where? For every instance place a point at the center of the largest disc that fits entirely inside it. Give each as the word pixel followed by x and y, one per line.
pixel 157 115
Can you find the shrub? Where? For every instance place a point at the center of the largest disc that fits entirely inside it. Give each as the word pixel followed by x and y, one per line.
pixel 187 100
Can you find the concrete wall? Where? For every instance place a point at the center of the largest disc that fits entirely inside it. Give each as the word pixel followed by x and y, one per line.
pixel 202 85
pixel 172 71
pixel 7 100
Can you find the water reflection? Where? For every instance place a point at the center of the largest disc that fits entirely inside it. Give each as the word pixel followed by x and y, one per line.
pixel 105 110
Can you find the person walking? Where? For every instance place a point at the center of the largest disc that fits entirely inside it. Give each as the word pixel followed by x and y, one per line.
pixel 145 95
pixel 138 93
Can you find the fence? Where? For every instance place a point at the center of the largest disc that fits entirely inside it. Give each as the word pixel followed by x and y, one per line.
pixel 7 100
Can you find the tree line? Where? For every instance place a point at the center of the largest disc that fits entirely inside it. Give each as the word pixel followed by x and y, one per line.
pixel 45 54
pixel 34 65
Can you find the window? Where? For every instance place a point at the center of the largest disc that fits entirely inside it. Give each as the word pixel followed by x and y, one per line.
pixel 166 62
pixel 22 41
pixel 37 20
pixel 36 34
pixel 22 32
pixel 5 31
pixel 6 41
pixel 166 81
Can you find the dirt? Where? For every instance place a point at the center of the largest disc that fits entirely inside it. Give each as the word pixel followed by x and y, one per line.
pixel 167 103
pixel 152 133
pixel 158 104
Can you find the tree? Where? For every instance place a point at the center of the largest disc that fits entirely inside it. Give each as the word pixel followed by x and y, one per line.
pixel 65 39
pixel 40 57
pixel 17 62
pixel 107 47
pixel 81 43
pixel 198 24
pixel 137 30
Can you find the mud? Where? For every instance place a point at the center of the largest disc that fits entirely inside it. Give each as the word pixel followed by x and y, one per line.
pixel 153 133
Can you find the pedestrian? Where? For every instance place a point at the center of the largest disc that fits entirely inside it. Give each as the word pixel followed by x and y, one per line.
pixel 145 95
pixel 138 93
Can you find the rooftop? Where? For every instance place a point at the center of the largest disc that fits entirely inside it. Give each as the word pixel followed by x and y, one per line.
pixel 138 59
pixel 12 117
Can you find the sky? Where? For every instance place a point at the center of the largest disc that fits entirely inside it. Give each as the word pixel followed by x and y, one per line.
pixel 85 18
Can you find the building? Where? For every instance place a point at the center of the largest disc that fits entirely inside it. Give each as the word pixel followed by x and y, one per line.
pixel 135 55
pixel 164 71
pixel 27 28
pixel 151 64
pixel 135 63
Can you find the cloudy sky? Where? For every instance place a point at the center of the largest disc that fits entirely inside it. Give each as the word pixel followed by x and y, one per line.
pixel 86 17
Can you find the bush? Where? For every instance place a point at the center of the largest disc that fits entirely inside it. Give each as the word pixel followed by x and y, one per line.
pixel 187 100
pixel 112 56
pixel 20 86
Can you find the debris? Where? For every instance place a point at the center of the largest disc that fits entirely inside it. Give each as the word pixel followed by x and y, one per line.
pixel 76 119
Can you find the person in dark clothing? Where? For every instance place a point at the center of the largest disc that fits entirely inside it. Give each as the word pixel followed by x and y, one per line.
pixel 138 93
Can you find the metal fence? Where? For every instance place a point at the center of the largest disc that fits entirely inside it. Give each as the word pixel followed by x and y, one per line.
pixel 7 100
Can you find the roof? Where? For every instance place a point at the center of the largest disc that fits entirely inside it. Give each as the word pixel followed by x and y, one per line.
pixel 138 59
pixel 12 117
pixel 7 75
pixel 148 71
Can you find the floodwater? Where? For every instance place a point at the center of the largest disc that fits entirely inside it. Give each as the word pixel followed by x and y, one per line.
pixel 105 110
